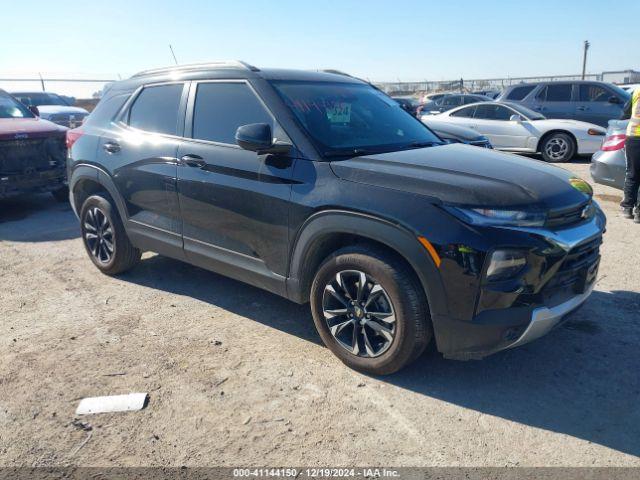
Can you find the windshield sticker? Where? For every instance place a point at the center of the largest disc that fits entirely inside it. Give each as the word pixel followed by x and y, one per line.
pixel 339 112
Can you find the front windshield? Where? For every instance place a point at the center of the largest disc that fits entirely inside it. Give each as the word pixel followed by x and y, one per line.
pixel 38 99
pixel 353 118
pixel 527 112
pixel 10 108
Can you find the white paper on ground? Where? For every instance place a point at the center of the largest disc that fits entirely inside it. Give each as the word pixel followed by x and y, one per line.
pixel 112 403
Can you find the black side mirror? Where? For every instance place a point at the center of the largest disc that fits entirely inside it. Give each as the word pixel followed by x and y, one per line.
pixel 257 137
pixel 34 110
pixel 615 100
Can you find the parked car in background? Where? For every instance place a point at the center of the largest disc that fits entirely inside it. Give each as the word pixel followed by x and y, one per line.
pixel 410 104
pixel 456 133
pixel 630 87
pixel 608 165
pixel 432 97
pixel 53 107
pixel 449 101
pixel 320 188
pixel 32 152
pixel 488 93
pixel 512 127
pixel 587 101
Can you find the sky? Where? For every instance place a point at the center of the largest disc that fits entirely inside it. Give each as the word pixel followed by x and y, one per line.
pixel 406 40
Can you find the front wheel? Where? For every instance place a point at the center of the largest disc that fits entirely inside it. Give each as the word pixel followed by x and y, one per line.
pixel 105 238
pixel 558 147
pixel 370 310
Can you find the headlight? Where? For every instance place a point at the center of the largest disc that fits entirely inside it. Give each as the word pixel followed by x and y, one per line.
pixel 505 264
pixel 494 217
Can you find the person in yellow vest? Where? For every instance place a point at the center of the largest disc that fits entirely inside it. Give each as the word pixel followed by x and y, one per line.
pixel 632 147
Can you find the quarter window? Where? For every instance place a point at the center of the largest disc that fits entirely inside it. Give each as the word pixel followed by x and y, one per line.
pixel 220 108
pixel 556 93
pixel 156 109
pixel 594 93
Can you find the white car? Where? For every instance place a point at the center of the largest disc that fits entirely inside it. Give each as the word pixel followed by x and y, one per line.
pixel 515 128
pixel 53 107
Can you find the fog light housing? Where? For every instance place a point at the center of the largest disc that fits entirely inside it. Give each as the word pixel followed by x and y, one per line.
pixel 505 264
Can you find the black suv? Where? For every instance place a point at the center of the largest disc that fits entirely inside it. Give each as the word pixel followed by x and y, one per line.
pixel 319 187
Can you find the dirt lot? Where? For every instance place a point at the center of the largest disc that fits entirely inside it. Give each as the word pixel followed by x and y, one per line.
pixel 238 376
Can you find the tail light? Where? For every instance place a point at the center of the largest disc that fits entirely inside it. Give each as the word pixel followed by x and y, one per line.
pixel 613 143
pixel 73 136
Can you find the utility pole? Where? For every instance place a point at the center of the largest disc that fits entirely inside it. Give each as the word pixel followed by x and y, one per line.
pixel 584 58
pixel 173 54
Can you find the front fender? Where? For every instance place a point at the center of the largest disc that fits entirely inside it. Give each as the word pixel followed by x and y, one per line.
pixel 323 224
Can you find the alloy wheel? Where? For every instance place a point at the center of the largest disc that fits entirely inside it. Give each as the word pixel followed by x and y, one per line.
pixel 98 235
pixel 359 314
pixel 557 148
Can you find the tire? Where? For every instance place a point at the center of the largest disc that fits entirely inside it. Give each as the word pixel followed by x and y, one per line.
pixel 122 255
pixel 61 194
pixel 558 147
pixel 399 289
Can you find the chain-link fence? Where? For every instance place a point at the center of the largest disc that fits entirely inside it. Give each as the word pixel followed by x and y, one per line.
pixel 471 85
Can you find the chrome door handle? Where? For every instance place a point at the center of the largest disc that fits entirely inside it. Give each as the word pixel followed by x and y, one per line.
pixel 192 161
pixel 111 147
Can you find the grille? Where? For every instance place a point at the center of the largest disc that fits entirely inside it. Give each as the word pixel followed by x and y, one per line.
pixel 570 216
pixel 65 120
pixel 31 155
pixel 577 264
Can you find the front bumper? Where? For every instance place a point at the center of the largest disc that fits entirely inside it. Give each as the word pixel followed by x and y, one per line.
pixel 512 313
pixel 544 319
pixel 44 181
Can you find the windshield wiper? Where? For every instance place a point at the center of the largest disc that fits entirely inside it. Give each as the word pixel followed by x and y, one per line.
pixel 422 144
pixel 348 152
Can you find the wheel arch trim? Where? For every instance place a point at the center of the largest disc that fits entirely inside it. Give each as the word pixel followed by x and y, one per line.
pixel 405 243
pixel 98 175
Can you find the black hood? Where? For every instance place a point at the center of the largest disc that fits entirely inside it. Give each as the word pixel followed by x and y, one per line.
pixel 465 175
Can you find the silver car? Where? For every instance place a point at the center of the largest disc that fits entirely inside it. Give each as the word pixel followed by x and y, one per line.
pixel 608 165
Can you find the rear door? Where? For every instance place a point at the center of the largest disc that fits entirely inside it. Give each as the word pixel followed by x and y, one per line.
pixel 140 152
pixel 555 100
pixel 234 202
pixel 594 105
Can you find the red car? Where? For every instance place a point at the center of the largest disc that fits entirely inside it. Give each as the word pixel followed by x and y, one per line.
pixel 32 152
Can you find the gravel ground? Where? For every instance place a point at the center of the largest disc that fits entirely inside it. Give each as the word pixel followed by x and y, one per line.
pixel 238 376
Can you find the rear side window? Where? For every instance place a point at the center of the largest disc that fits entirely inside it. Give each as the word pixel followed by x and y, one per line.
pixel 156 109
pixel 464 112
pixel 556 93
pixel 220 108
pixel 106 109
pixel 594 93
pixel 519 93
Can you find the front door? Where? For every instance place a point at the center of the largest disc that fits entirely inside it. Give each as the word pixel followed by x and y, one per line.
pixel 234 202
pixel 595 104
pixel 555 101
pixel 494 121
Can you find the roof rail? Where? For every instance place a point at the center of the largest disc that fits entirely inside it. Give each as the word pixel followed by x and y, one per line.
pixel 197 66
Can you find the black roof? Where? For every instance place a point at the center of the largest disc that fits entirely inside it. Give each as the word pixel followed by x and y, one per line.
pixel 233 69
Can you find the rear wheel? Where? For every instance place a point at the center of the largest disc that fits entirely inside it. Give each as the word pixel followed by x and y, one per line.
pixel 558 147
pixel 104 236
pixel 370 310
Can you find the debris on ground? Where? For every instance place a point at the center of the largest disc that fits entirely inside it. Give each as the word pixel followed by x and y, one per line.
pixel 113 403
